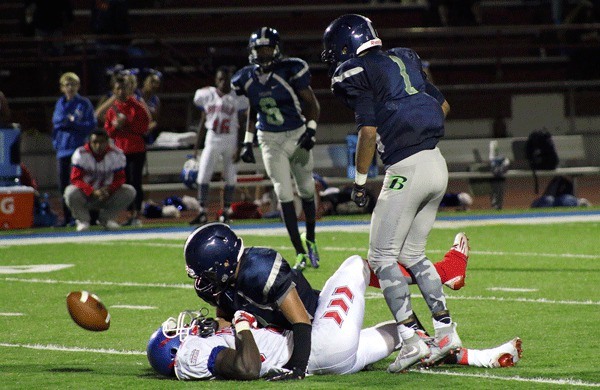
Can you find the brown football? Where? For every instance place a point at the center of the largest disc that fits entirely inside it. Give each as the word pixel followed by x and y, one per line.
pixel 88 311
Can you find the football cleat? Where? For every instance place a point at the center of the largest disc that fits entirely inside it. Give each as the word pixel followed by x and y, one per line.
pixel 414 350
pixel 313 252
pixel 510 353
pixel 225 216
pixel 461 244
pixel 456 283
pixel 301 259
pixel 200 219
pixel 82 226
pixel 446 342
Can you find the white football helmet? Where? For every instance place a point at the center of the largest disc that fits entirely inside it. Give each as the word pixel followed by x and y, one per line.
pixel 189 173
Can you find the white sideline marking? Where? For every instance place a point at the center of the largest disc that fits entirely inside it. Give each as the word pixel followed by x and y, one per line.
pixel 51 347
pixel 377 295
pixel 11 314
pixel 36 268
pixel 133 307
pixel 511 289
pixel 570 382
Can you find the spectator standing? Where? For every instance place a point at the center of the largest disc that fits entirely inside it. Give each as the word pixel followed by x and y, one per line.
pixel 72 121
pixel 222 111
pixel 148 94
pixel 98 183
pixel 127 122
pixel 284 110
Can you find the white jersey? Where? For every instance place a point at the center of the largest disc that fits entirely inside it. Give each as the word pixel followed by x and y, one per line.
pixel 98 173
pixel 195 358
pixel 338 346
pixel 221 111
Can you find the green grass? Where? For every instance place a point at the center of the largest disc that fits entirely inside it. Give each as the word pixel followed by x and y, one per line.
pixel 557 316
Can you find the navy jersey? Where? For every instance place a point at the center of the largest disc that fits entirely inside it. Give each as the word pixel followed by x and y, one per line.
pixel 263 281
pixel 389 90
pixel 274 96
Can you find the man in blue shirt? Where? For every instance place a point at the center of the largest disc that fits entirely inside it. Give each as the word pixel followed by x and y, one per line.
pixel 73 120
pixel 284 110
pixel 401 114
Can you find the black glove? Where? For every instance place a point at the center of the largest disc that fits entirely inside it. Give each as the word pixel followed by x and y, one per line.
pixel 286 375
pixel 247 154
pixel 307 139
pixel 359 195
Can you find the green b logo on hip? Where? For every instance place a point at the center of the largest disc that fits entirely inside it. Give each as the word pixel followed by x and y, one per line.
pixel 397 182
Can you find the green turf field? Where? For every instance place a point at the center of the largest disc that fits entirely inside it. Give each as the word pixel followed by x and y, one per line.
pixel 539 282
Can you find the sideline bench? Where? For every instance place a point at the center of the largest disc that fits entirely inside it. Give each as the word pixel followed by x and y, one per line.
pixel 467 160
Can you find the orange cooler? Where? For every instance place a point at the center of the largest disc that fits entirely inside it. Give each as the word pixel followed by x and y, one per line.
pixel 16 207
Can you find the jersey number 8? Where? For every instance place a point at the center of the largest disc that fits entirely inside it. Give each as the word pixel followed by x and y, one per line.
pixel 268 105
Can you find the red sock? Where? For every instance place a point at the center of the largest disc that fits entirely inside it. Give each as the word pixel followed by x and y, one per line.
pixel 454 264
pixel 463 357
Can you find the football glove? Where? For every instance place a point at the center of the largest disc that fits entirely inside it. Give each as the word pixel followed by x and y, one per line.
pixel 285 374
pixel 307 139
pixel 247 153
pixel 243 316
pixel 359 195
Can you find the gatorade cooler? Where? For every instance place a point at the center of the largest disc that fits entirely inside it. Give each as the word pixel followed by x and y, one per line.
pixel 16 207
pixel 351 141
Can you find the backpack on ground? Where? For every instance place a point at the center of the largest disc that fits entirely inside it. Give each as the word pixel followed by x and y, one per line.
pixel 541 153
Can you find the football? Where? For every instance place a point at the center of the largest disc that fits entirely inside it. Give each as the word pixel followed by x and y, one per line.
pixel 88 311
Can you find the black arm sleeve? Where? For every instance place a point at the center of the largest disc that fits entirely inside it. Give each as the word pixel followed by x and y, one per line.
pixel 302 341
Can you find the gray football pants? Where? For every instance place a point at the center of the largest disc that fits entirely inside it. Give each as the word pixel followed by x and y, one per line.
pixel 284 159
pixel 400 224
pixel 108 209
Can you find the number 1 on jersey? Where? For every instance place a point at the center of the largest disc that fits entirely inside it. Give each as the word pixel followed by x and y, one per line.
pixel 408 87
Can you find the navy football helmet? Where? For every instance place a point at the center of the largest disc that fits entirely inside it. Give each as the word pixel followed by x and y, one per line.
pixel 347 37
pixel 212 253
pixel 165 341
pixel 264 36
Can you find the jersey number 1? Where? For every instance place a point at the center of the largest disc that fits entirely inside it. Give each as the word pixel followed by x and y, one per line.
pixel 408 87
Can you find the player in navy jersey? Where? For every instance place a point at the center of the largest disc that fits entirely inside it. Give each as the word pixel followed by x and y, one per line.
pixel 283 114
pixel 401 114
pixel 260 281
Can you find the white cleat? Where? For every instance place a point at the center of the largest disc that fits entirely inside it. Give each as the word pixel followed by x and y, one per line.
pixel 446 342
pixel 508 354
pixel 413 351
pixel 461 244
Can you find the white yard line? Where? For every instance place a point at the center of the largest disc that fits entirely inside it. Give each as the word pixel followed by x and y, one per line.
pixel 547 381
pixel 570 382
pixel 368 295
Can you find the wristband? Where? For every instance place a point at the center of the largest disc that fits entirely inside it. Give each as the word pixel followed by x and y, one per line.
pixel 360 178
pixel 312 124
pixel 249 138
pixel 242 325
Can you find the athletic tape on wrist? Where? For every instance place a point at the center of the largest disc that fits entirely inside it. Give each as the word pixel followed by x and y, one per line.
pixel 312 124
pixel 248 137
pixel 360 178
pixel 242 325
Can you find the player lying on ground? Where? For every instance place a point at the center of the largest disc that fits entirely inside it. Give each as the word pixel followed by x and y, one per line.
pixel 339 345
pixel 260 281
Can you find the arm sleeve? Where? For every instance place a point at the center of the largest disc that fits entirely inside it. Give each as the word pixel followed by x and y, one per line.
pixel 350 83
pixel 87 123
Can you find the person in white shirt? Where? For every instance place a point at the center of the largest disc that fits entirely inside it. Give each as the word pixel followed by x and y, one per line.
pixel 222 117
